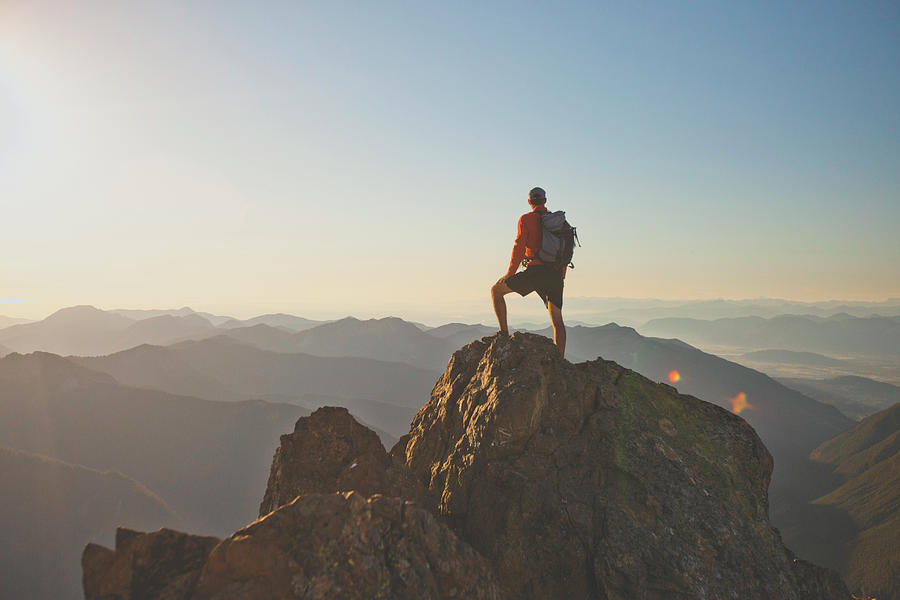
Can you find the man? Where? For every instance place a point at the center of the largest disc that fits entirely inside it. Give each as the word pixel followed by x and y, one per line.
pixel 538 277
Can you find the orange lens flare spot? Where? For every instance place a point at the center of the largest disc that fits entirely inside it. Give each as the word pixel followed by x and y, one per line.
pixel 739 403
pixel 674 376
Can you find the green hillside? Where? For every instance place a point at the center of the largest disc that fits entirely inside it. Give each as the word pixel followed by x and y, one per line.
pixel 866 466
pixel 869 432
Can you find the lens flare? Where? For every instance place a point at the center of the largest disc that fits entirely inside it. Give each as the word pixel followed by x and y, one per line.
pixel 739 403
pixel 674 376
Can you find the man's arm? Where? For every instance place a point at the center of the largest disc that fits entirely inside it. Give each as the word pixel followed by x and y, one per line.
pixel 518 251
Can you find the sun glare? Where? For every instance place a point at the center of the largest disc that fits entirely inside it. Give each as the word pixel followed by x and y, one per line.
pixel 739 403
pixel 674 376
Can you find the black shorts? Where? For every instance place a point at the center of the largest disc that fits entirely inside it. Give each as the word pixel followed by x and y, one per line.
pixel 547 281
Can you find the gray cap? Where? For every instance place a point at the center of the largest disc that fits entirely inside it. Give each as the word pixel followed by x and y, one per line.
pixel 537 195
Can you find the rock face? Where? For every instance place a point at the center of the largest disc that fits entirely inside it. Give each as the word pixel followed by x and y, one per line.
pixel 163 565
pixel 317 547
pixel 329 451
pixel 590 481
pixel 536 478
pixel 324 546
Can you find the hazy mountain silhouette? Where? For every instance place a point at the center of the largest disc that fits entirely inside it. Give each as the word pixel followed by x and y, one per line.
pixel 792 357
pixel 389 339
pixel 225 369
pixel 291 322
pixel 389 421
pixel 10 321
pixel 162 330
pixel 262 336
pixel 88 331
pixel 202 457
pixel 448 329
pixel 139 315
pixel 856 397
pixel 247 371
pixel 74 330
pixel 866 463
pixel 875 336
pixel 636 312
pixel 459 334
pixel 50 509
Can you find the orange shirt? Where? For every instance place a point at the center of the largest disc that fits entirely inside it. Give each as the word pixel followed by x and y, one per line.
pixel 529 238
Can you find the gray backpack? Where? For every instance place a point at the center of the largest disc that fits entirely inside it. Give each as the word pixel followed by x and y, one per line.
pixel 559 239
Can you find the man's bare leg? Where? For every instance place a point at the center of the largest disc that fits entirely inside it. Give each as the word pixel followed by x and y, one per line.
pixel 499 290
pixel 559 328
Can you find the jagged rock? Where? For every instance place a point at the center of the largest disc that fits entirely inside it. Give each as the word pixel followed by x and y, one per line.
pixel 163 565
pixel 329 451
pixel 345 546
pixel 590 481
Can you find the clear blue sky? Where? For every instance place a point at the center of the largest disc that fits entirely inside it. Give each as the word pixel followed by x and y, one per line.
pixel 326 158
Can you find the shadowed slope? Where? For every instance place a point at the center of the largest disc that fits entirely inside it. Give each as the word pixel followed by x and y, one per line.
pixel 866 463
pixel 206 459
pixel 50 509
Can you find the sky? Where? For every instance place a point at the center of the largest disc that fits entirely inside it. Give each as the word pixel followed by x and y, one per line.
pixel 372 158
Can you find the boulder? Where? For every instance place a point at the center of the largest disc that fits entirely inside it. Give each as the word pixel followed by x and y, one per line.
pixel 162 565
pixel 345 546
pixel 591 481
pixel 329 451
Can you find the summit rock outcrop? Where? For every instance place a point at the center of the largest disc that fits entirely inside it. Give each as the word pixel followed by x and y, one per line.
pixel 532 477
pixel 590 481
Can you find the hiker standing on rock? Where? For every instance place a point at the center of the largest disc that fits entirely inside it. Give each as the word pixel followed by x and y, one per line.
pixel 544 243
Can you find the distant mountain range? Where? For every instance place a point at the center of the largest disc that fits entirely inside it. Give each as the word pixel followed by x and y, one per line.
pixel 50 504
pixel 792 357
pixel 865 462
pixel 224 369
pixel 388 339
pixel 87 331
pixel 10 321
pixel 837 334
pixel 275 320
pixel 636 312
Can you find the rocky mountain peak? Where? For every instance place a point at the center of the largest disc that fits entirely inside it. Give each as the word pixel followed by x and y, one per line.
pixel 534 478
pixel 589 480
